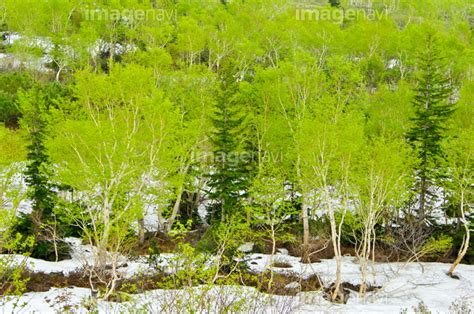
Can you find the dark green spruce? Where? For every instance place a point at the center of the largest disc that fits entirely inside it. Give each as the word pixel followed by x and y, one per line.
pixel 335 3
pixel 42 191
pixel 433 108
pixel 231 161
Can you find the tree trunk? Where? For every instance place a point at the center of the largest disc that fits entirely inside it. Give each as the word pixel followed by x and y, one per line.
pixel 305 217
pixel 336 247
pixel 272 259
pixel 465 242
pixel 421 209
pixel 141 231
pixel 175 211
pixel 462 251
pixel 337 255
pixel 223 211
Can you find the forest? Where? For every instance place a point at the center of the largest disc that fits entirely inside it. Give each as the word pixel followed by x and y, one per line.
pixel 236 156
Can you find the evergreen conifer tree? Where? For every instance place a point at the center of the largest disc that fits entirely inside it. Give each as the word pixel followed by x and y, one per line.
pixel 432 110
pixel 335 3
pixel 35 105
pixel 229 179
pixel 37 178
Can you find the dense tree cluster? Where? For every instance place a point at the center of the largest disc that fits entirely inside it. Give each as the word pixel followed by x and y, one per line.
pixel 359 131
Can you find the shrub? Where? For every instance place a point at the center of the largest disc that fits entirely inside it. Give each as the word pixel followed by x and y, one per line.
pixel 11 279
pixel 435 247
pixel 460 306
pixel 46 250
pixel 11 270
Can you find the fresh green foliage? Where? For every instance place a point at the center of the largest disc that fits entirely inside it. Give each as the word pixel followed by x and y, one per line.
pixel 10 85
pixel 140 125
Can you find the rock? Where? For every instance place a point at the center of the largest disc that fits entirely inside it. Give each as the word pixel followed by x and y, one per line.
pixel 293 286
pixel 283 251
pixel 341 297
pixel 246 247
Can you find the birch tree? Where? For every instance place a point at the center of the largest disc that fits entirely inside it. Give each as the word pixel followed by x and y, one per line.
pixel 381 185
pixel 460 163
pixel 269 207
pixel 328 163
pixel 110 147
pixel 288 94
pixel 330 138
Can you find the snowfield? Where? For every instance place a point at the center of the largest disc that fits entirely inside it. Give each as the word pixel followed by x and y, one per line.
pixel 83 255
pixel 402 286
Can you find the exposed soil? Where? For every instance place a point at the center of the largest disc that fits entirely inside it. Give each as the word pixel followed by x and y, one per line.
pixel 281 265
pixel 279 284
pixel 344 292
pixel 318 248
pixel 282 284
pixel 41 282
pixel 165 243
pixel 382 254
